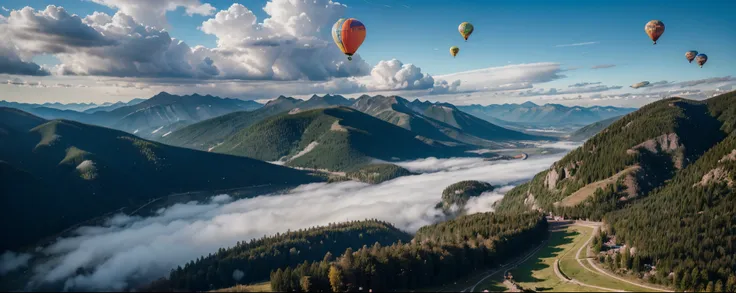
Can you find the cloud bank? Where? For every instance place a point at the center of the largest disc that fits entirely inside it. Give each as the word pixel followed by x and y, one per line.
pixel 132 249
pixel 10 261
pixel 577 44
pixel 284 46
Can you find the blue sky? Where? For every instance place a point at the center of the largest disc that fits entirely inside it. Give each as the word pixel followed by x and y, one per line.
pixel 513 32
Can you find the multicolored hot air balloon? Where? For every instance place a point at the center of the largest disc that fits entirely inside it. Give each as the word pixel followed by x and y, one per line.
pixel 348 34
pixel 690 55
pixel 654 29
pixel 640 84
pixel 701 59
pixel 465 29
pixel 454 50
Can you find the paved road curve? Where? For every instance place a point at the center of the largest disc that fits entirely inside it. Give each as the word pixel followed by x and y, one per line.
pixel 596 226
pixel 507 267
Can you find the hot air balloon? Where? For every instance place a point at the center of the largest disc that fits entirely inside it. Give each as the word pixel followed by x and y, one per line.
pixel 465 29
pixel 654 29
pixel 690 55
pixel 348 34
pixel 701 59
pixel 640 84
pixel 454 50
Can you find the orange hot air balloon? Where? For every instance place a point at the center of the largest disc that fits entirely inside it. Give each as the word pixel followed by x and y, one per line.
pixel 348 34
pixel 654 29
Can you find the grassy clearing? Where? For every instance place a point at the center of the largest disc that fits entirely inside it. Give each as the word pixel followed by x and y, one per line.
pixel 537 273
pixel 258 287
pixel 588 190
pixel 570 266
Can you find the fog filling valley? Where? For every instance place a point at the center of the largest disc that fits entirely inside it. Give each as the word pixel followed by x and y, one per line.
pixel 134 249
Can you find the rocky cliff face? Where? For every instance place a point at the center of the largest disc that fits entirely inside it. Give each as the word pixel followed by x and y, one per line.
pixel 666 143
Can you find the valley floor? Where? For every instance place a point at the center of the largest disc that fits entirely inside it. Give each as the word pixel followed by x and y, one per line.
pixel 562 266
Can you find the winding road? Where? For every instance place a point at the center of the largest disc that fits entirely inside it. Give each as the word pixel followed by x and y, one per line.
pixel 507 267
pixel 596 226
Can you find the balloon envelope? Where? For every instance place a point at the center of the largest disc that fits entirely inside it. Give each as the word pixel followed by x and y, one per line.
pixel 640 84
pixel 690 55
pixel 701 59
pixel 465 29
pixel 348 34
pixel 654 30
pixel 454 50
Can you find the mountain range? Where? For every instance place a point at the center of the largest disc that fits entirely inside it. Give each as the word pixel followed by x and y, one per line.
pixel 151 118
pixel 430 122
pixel 60 173
pixel 530 114
pixel 662 179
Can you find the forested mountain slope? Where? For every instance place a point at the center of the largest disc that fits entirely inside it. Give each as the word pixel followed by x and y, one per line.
pixel 255 259
pixel 59 173
pixel 437 255
pixel 151 118
pixel 442 122
pixel 209 133
pixel 592 129
pixel 337 139
pixel 677 208
pixel 432 122
pixel 660 138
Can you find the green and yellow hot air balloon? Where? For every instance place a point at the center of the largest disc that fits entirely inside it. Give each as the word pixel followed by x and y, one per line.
pixel 465 29
pixel 454 50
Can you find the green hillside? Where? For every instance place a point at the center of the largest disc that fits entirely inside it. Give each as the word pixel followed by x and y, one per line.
pixel 672 197
pixel 377 173
pixel 459 193
pixel 440 122
pixel 590 130
pixel 660 138
pixel 257 258
pixel 209 133
pixel 337 139
pixel 59 173
pixel 439 254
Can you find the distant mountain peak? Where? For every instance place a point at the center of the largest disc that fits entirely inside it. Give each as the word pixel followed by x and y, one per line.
pixel 529 104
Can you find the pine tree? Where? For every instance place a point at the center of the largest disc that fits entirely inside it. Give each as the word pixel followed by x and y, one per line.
pixel 719 286
pixel 335 277
pixel 709 288
pixel 636 264
pixel 625 259
pixel 306 284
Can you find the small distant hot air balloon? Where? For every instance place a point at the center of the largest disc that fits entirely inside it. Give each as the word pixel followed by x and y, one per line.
pixel 465 29
pixel 690 55
pixel 348 34
pixel 701 59
pixel 654 29
pixel 640 84
pixel 454 50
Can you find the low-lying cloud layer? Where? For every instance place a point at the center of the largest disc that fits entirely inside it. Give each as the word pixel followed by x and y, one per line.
pixel 134 249
pixel 10 261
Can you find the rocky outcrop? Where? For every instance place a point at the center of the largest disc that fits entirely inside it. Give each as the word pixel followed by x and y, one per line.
pixel 730 157
pixel 531 202
pixel 717 175
pixel 632 184
pixel 552 178
pixel 666 143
